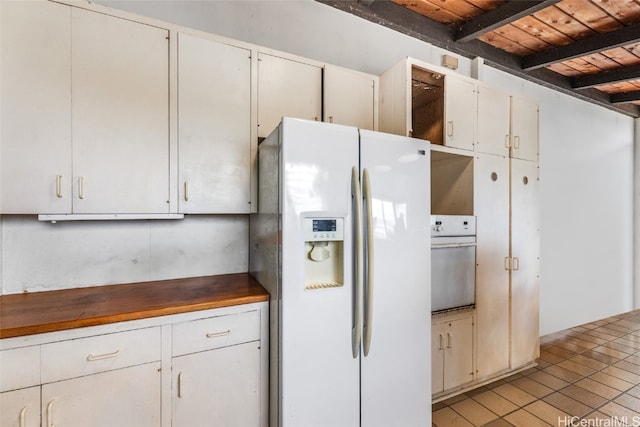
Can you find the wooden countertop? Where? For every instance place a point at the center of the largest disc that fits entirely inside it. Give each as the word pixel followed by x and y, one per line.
pixel 49 311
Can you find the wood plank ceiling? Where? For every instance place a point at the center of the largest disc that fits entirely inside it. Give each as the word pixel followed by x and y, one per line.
pixel 586 48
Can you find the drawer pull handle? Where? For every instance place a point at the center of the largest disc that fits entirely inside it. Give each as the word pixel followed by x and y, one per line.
pixel 93 358
pixel 218 334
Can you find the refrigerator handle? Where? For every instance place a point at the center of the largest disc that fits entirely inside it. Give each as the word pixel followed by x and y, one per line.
pixel 368 282
pixel 356 331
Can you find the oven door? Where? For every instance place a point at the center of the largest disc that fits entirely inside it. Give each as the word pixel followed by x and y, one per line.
pixel 453 272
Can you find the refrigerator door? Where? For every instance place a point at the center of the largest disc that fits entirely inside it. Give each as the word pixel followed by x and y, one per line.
pixel 319 377
pixel 395 373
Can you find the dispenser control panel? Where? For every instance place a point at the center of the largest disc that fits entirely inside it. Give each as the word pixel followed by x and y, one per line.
pixel 323 229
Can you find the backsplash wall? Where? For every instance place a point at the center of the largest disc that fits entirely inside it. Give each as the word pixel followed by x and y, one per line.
pixel 39 256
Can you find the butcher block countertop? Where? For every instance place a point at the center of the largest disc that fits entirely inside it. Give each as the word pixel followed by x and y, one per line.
pixel 50 311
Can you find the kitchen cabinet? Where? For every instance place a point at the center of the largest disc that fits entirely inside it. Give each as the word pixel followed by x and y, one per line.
pixel 287 87
pixel 214 126
pixel 128 396
pixel 491 204
pixel 507 272
pixel 224 394
pixel 460 112
pixel 524 128
pixel 103 380
pixel 494 112
pixel 428 102
pixel 452 351
pixel 20 387
pixel 227 392
pixel 120 115
pixel 20 408
pixel 109 78
pixel 35 158
pixel 525 265
pixel 349 98
pixel 191 368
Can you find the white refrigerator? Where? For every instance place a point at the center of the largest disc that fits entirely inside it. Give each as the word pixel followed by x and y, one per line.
pixel 341 241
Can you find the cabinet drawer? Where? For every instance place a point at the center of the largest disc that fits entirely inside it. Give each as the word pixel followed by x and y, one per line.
pixel 19 368
pixel 74 358
pixel 215 332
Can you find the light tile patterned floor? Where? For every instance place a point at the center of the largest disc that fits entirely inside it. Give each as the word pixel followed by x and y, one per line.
pixel 586 376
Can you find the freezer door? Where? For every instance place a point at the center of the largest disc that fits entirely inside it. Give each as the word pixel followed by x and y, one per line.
pixel 319 377
pixel 395 374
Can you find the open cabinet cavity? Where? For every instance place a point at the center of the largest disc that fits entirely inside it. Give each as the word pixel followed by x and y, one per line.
pixel 451 183
pixel 427 105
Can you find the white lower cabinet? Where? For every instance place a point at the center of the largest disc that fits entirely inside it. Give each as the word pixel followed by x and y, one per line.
pixel 124 397
pixel 218 387
pixel 20 408
pixel 118 374
pixel 451 351
pixel 216 371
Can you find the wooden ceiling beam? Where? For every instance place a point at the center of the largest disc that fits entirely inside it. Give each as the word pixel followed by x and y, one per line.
pixel 623 74
pixel 412 24
pixel 625 97
pixel 624 36
pixel 507 13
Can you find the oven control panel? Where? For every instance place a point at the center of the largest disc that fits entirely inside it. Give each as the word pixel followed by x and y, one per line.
pixel 453 225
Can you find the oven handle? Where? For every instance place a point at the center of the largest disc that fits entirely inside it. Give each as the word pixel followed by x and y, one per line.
pixel 452 245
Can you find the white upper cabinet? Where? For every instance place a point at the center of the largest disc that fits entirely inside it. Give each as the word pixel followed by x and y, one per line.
pixel 524 128
pixel 349 98
pixel 120 113
pixel 214 126
pixel 35 93
pixel 85 112
pixel 460 112
pixel 287 88
pixel 493 121
pixel 430 103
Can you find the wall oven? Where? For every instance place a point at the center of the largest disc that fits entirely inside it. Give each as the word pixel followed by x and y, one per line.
pixel 453 262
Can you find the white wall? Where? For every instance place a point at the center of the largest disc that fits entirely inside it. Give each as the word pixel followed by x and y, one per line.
pixel 586 174
pixel 39 256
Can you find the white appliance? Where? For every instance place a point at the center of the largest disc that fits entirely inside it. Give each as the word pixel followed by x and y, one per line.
pixel 341 241
pixel 453 262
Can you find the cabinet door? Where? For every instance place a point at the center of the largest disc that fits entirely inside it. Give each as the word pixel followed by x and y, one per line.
pixel 349 98
pixel 525 241
pixel 36 108
pixel 287 89
pixel 460 113
pixel 120 113
pixel 458 352
pixel 524 125
pixel 214 125
pixel 491 204
pixel 493 121
pixel 20 408
pixel 217 387
pixel 124 397
pixel 437 358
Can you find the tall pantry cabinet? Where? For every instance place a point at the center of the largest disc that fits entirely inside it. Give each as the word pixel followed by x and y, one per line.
pixel 508 246
pixel 464 117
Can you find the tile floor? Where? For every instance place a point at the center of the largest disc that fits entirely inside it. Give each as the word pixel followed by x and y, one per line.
pixel 586 376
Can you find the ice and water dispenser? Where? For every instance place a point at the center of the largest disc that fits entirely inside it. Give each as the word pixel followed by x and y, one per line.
pixel 323 248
